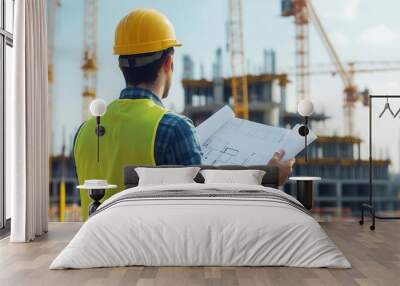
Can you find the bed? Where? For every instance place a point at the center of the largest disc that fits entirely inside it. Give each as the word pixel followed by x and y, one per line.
pixel 198 224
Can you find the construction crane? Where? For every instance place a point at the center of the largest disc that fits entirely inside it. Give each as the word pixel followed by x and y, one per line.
pixel 52 6
pixel 89 66
pixel 303 11
pixel 51 17
pixel 236 49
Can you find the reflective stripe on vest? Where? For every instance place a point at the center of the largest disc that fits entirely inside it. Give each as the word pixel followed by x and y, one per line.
pixel 131 126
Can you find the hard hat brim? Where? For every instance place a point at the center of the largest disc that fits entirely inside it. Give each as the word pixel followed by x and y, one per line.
pixel 143 48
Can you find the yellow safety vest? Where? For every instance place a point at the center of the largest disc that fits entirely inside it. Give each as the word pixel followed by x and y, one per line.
pixel 131 126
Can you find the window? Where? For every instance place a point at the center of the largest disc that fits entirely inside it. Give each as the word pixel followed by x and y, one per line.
pixel 326 190
pixel 6 43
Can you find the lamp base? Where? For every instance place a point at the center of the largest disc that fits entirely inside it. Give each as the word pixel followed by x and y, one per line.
pixel 304 190
pixel 96 195
pixel 305 193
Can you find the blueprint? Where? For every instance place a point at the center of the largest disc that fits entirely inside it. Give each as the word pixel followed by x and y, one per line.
pixel 227 140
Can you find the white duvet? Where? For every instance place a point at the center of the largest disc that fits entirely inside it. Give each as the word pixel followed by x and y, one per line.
pixel 203 231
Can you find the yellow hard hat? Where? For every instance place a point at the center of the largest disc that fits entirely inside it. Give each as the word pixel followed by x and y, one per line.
pixel 144 31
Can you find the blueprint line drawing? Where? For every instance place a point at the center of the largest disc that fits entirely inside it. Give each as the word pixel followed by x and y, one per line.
pixel 217 154
pixel 227 140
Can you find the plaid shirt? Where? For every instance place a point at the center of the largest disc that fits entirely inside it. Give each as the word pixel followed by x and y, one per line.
pixel 176 141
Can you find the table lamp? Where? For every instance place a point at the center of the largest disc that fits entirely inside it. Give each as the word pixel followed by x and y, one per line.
pixel 305 108
pixel 98 108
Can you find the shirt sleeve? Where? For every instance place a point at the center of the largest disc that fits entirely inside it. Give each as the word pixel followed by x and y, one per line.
pixel 177 141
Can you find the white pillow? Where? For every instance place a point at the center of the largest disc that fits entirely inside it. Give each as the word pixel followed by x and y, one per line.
pixel 166 176
pixel 248 177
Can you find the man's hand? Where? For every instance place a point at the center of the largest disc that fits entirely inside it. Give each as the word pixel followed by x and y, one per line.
pixel 285 167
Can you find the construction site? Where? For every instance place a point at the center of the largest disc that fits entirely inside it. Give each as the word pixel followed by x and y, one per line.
pixel 261 97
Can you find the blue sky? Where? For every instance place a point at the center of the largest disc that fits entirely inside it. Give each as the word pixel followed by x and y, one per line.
pixel 364 30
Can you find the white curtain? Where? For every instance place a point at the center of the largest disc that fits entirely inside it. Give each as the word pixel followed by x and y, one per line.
pixel 26 124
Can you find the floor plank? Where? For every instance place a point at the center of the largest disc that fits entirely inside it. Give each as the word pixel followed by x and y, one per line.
pixel 375 257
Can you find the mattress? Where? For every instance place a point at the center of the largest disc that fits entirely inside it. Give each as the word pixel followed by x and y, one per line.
pixel 201 225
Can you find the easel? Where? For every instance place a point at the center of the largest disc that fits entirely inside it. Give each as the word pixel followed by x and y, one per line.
pixel 370 204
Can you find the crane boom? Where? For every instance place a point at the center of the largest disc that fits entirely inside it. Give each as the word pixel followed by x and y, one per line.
pixel 328 44
pixel 236 48
pixel 371 67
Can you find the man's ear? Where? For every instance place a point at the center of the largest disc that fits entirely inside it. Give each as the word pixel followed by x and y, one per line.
pixel 168 64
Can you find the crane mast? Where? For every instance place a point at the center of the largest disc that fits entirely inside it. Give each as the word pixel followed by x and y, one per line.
pixel 89 66
pixel 302 50
pixel 51 18
pixel 236 49
pixel 298 9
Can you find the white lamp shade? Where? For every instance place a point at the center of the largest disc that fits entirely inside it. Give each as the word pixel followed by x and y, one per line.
pixel 305 107
pixel 98 107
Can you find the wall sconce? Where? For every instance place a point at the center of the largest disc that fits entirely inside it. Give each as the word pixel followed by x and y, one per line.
pixel 98 108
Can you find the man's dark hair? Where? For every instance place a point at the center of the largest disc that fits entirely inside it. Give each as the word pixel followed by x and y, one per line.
pixel 148 73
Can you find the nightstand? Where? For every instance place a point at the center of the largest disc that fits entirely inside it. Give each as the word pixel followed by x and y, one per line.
pixel 304 190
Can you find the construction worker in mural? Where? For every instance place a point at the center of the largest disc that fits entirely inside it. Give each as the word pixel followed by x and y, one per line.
pixel 140 131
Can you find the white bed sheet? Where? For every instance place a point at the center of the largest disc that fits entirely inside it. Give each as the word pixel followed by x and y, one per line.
pixel 200 231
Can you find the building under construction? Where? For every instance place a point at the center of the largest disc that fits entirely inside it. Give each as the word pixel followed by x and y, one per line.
pixel 336 159
pixel 345 176
pixel 63 173
pixel 266 92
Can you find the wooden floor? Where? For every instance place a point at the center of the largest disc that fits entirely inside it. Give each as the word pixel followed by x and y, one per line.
pixel 375 257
